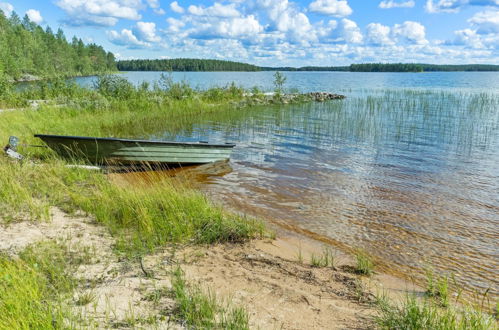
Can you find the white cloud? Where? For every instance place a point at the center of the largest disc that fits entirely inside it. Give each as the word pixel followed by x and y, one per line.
pixel 453 6
pixel 411 31
pixel 378 34
pixel 350 31
pixel 7 8
pixel 217 10
pixel 284 17
pixel 227 28
pixel 486 22
pixel 146 31
pixel 159 11
pixel 338 8
pixel 153 3
pixel 126 38
pixel 174 25
pixel 469 38
pixel 176 7
pixel 388 4
pixel 34 16
pixel 100 12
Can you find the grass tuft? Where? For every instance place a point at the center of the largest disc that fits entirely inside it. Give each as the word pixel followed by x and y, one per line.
pixel 201 310
pixel 426 314
pixel 364 263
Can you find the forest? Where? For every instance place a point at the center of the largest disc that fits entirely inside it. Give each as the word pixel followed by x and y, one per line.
pixel 188 64
pixel 184 64
pixel 26 49
pixel 418 67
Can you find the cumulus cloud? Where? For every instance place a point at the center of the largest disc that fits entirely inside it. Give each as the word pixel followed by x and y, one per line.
pixel 100 12
pixel 34 16
pixel 146 31
pixel 453 6
pixel 378 34
pixel 176 7
pixel 217 10
pixel 411 31
pixel 174 25
pixel 285 18
pixel 486 22
pixel 338 8
pixel 228 28
pixel 153 3
pixel 7 8
pixel 388 4
pixel 467 37
pixel 126 38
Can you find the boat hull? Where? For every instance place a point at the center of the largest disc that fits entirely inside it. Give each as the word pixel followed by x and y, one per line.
pixel 105 151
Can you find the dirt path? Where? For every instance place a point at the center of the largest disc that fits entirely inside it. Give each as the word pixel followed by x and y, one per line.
pixel 266 277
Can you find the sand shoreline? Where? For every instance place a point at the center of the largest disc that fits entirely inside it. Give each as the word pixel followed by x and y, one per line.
pixel 266 277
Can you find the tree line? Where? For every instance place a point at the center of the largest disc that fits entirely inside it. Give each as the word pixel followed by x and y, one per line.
pixel 184 64
pixel 189 64
pixel 28 49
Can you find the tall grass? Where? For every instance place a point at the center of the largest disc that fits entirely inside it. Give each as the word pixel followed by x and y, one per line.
pixel 426 314
pixel 33 288
pixel 142 217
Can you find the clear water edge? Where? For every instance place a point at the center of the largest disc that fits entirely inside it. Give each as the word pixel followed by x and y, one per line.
pixel 406 167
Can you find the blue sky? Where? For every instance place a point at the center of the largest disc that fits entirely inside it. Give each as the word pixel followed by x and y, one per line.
pixel 280 32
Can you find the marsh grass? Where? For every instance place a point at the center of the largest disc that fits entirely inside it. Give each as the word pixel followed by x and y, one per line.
pixel 140 217
pixel 201 310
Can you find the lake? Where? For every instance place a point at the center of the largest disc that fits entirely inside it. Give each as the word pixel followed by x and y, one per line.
pixel 407 167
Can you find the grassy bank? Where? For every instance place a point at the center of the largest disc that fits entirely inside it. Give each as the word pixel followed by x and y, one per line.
pixel 141 217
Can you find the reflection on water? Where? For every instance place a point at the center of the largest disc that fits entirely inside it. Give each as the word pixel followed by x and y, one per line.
pixel 413 177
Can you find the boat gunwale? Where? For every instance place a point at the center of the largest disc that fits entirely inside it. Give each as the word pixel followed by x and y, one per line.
pixel 196 144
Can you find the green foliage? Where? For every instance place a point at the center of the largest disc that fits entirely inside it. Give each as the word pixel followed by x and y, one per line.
pixel 26 49
pixel 184 64
pixel 33 288
pixel 364 263
pixel 114 86
pixel 279 81
pixel 326 259
pixel 424 314
pixel 175 90
pixel 202 311
pixel 438 287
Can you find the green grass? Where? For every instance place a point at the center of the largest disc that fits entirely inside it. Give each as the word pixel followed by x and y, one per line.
pixel 438 287
pixel 200 310
pixel 364 263
pixel 326 259
pixel 33 288
pixel 141 217
pixel 414 313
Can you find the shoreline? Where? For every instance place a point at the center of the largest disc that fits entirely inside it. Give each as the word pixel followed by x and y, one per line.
pixel 262 275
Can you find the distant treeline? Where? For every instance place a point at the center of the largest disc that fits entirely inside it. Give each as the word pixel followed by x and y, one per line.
pixel 184 64
pixel 188 64
pixel 26 48
pixel 415 67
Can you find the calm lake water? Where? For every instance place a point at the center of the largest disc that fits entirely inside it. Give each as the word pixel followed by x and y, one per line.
pixel 406 167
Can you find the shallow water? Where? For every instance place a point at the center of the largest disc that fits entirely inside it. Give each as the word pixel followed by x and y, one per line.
pixel 411 175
